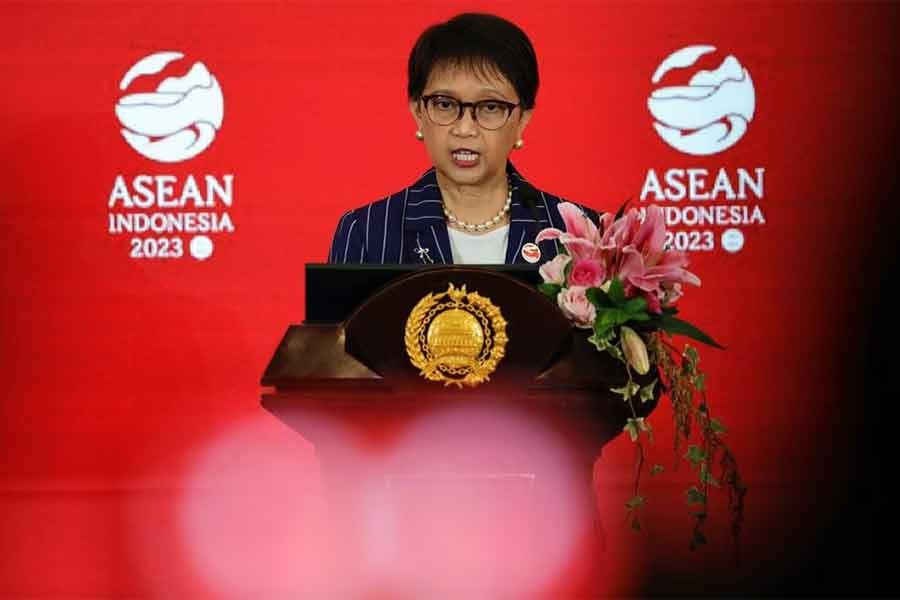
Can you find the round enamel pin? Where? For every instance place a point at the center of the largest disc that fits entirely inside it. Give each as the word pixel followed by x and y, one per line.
pixel 531 253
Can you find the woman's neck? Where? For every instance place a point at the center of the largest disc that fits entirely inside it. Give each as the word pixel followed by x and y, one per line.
pixel 474 203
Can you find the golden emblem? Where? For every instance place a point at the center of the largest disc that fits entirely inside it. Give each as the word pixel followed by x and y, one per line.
pixel 457 337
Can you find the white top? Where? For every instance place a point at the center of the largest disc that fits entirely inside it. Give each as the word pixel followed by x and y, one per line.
pixel 479 248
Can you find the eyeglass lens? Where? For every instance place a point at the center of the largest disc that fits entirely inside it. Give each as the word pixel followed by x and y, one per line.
pixel 489 114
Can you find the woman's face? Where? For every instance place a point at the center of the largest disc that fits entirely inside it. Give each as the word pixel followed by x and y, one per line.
pixel 464 152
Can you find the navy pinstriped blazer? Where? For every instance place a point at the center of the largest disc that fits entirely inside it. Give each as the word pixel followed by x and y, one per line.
pixel 409 226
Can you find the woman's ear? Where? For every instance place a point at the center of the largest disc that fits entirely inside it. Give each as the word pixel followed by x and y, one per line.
pixel 523 123
pixel 415 108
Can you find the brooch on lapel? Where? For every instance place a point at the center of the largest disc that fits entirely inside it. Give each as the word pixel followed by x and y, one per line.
pixel 421 252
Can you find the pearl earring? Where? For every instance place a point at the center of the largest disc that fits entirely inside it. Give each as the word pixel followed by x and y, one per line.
pixel 420 136
pixel 519 143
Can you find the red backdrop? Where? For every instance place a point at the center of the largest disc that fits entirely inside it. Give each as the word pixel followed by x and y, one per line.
pixel 120 372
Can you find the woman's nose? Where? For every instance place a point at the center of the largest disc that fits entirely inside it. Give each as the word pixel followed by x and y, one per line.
pixel 466 124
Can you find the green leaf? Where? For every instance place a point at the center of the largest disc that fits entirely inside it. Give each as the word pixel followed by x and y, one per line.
pixel 602 331
pixel 695 454
pixel 616 292
pixel 605 319
pixel 635 503
pixel 699 381
pixel 641 316
pixel 599 298
pixel 706 476
pixel 550 289
pixel 631 429
pixel 690 353
pixel 609 318
pixel 616 352
pixel 644 425
pixel 636 305
pixel 695 496
pixel 647 391
pixel 600 342
pixel 656 470
pixel 677 326
pixel 603 341
pixel 716 426
pixel 627 391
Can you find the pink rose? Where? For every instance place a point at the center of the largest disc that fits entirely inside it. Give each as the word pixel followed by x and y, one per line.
pixel 554 271
pixel 577 307
pixel 587 272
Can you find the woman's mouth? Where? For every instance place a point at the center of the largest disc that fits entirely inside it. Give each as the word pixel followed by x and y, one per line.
pixel 465 158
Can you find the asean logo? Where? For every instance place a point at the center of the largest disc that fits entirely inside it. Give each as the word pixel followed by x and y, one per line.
pixel 179 118
pixel 711 113
pixel 457 337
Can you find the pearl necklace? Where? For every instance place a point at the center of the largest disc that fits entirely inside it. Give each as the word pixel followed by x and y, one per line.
pixel 489 224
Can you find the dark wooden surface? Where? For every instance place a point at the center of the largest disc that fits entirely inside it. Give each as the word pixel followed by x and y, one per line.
pixel 359 370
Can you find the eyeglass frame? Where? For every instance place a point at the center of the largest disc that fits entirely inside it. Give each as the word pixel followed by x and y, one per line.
pixel 510 107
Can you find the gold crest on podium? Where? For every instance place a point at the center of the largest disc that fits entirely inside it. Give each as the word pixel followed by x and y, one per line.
pixel 456 336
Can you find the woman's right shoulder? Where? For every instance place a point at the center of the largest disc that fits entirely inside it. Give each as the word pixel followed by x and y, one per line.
pixel 376 229
pixel 422 191
pixel 385 206
pixel 364 209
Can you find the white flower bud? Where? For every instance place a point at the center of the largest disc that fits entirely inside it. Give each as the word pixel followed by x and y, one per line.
pixel 635 350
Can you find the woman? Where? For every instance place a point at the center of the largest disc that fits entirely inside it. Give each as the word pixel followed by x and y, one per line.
pixel 472 87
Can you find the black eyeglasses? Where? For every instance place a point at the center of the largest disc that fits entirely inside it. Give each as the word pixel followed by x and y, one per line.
pixel 489 114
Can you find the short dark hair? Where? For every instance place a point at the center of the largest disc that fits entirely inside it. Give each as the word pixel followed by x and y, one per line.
pixel 484 43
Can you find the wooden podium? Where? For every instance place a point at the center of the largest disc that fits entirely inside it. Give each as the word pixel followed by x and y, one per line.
pixel 350 389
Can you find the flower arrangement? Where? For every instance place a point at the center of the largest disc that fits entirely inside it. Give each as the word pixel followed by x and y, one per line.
pixel 620 281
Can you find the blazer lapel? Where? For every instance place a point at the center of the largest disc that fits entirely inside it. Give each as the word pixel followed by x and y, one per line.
pixel 425 236
pixel 526 219
pixel 521 222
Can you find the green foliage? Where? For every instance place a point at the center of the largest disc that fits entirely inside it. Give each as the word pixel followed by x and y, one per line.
pixel 550 289
pixel 706 476
pixel 635 502
pixel 613 309
pixel 605 342
pixel 696 455
pixel 699 382
pixel 632 429
pixel 647 392
pixel 695 496
pixel 627 391
pixel 681 380
pixel 670 324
